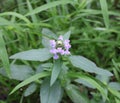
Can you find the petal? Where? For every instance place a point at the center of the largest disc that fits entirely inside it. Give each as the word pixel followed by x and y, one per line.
pixel 53 51
pixel 55 56
pixel 52 43
pixel 67 52
pixel 60 37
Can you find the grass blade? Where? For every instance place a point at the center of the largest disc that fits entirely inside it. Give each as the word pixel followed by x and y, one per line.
pixel 16 15
pixel 4 55
pixel 47 6
pixel 105 13
pixel 29 80
pixel 34 18
pixel 90 81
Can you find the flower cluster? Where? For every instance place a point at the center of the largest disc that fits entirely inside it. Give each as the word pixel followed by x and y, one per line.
pixel 60 47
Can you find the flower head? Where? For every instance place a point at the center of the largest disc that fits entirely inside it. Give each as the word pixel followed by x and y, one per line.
pixel 60 47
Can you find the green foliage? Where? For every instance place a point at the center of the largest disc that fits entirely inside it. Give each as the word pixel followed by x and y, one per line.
pixel 87 65
pixel 31 89
pixel 19 72
pixel 4 55
pixel 75 95
pixel 47 6
pixel 50 94
pixel 26 26
pixel 56 71
pixel 29 80
pixel 33 55
pixel 105 12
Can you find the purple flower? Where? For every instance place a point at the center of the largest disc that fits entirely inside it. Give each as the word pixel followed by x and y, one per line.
pixel 52 43
pixel 59 47
pixel 60 50
pixel 67 52
pixel 55 56
pixel 53 51
pixel 67 44
pixel 60 37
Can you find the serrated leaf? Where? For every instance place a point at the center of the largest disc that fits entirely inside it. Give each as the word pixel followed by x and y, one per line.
pixel 66 36
pixel 57 67
pixel 31 89
pixel 33 55
pixel 87 65
pixel 48 33
pixel 50 94
pixel 74 94
pixel 29 80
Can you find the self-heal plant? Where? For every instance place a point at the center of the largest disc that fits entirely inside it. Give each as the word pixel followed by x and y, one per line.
pixel 58 76
pixel 60 47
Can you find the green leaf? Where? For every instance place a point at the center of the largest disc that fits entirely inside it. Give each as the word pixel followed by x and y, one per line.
pixel 31 89
pixel 50 94
pixel 90 80
pixel 4 22
pixel 105 12
pixel 34 18
pixel 47 65
pixel 48 33
pixel 19 72
pixel 4 55
pixel 57 67
pixel 103 79
pixel 117 100
pixel 115 85
pixel 81 81
pixel 45 42
pixel 114 92
pixel 39 69
pixel 47 6
pixel 87 65
pixel 74 93
pixel 66 36
pixel 16 15
pixel 33 55
pixel 30 80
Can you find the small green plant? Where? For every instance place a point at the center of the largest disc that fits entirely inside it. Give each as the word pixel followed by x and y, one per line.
pixel 63 74
pixel 55 68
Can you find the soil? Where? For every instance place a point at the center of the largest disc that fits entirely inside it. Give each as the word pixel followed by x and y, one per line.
pixel 3 93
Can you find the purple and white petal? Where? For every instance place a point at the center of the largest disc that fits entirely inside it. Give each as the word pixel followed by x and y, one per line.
pixel 55 56
pixel 60 37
